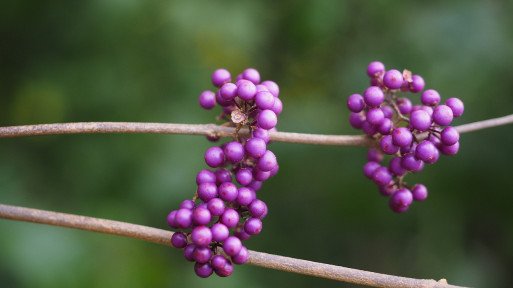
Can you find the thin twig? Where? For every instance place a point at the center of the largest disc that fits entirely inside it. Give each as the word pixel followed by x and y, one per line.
pixel 213 131
pixel 255 258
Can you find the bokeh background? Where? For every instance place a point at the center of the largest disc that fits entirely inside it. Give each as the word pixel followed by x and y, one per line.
pixel 148 61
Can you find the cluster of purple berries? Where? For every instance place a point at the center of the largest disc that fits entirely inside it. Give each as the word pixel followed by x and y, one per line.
pixel 227 205
pixel 415 134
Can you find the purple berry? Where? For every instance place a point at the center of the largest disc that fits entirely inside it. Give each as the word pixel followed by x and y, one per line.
pixel 450 150
pixel 375 116
pixel 218 262
pixel 230 218
pixel 443 115
pixel 387 145
pixel 232 246
pixel 402 137
pixel 226 271
pixel 449 136
pixel 410 163
pixel 262 134
pixel 251 75
pixel 387 111
pixel 219 232
pixel 228 191
pixel 430 97
pixel 277 107
pixel 456 106
pixel 401 199
pixel 272 86
pixel 207 191
pixel 205 176
pixel 171 219
pixel 369 169
pixel 255 185
pixel 246 90
pixel 267 162
pixel 355 103
pixel 246 196
pixel 356 120
pixel 244 176
pixel 427 152
pixel 374 155
pixel 214 157
pixel 419 192
pixel 201 216
pixel 223 175
pixel 386 126
pixel 183 218
pixel 369 129
pixel 202 254
pixel 215 206
pixel 257 208
pixel 395 166
pixel 417 84
pixel 373 96
pixel 420 120
pixel 256 147
pixel 207 99
pixel 382 176
pixel 242 257
pixel 253 226
pixel 188 252
pixel 179 240
pixel 393 79
pixel 267 119
pixel 187 204
pixel 228 91
pixel 201 236
pixel 404 105
pixel 375 68
pixel 260 175
pixel 221 76
pixel 264 100
pixel 234 151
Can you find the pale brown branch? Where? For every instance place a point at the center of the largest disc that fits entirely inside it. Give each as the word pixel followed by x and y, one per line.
pixel 255 258
pixel 212 130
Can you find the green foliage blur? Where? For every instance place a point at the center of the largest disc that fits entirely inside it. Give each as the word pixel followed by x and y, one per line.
pixel 148 61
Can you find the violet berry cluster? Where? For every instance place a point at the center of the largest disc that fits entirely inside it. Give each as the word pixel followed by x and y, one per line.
pixel 225 210
pixel 412 134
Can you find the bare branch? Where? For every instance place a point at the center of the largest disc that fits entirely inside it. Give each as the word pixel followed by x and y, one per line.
pixel 212 130
pixel 255 258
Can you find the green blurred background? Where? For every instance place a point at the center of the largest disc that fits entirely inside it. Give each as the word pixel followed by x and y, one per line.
pixel 129 60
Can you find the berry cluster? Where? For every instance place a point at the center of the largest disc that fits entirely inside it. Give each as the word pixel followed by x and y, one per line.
pixel 225 203
pixel 415 134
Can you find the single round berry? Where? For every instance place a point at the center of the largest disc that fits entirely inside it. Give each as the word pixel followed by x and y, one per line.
pixel 226 271
pixel 260 175
pixel 387 190
pixel 255 185
pixel 375 68
pixel 420 120
pixel 226 104
pixel 202 254
pixel 244 176
pixel 246 90
pixel 228 91
pixel 207 100
pixel 205 176
pixel 387 145
pixel 264 100
pixel 443 115
pixel 267 119
pixel 228 191
pixel 232 246
pixel 402 137
pixel 216 206
pixel 388 111
pixel 171 219
pixel 272 86
pixel 262 134
pixel 427 152
pixel 417 84
pixel 188 252
pixel 369 129
pixel 402 198
pixel 201 236
pixel 252 75
pixel 395 166
pixel 246 196
pixel 386 126
pixel 369 169
pixel 188 204
pixel 230 218
pixel 234 151
pixel 430 97
pixel 449 136
pixel 223 175
pixel 278 106
pixel 419 192
pixel 410 163
pixel 355 103
pixel 382 176
pixel 257 208
pixel 218 262
pixel 221 76
pixel 267 162
pixel 374 155
pixel 253 226
pixel 373 96
pixel 201 216
pixel 183 218
pixel 219 232
pixel 179 240
pixel 393 79
pixel 404 105
pixel 214 157
pixel 456 106
pixel 256 147
pixel 356 120
pixel 207 191
pixel 375 116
